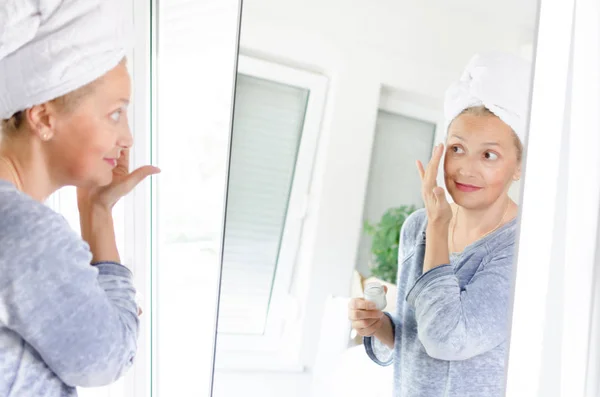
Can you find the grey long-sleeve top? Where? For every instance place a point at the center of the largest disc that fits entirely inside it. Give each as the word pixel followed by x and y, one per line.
pixel 451 323
pixel 63 322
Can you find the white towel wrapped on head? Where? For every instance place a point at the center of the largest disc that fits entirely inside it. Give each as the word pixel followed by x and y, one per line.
pixel 498 81
pixel 49 48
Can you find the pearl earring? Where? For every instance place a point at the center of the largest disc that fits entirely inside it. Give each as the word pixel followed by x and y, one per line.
pixel 46 136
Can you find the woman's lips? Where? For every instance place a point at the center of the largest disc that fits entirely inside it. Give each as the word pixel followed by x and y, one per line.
pixel 112 162
pixel 466 188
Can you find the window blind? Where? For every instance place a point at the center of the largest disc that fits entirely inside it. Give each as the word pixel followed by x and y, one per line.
pixel 393 177
pixel 267 131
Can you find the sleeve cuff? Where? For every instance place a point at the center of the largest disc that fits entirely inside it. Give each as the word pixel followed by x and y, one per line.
pixel 423 281
pixel 394 325
pixel 112 269
pixel 377 351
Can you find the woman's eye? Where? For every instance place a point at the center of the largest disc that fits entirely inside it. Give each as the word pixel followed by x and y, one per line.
pixel 491 156
pixel 457 149
pixel 116 116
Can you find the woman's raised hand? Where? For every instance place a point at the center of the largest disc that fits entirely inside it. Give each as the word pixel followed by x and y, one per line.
pixel 438 209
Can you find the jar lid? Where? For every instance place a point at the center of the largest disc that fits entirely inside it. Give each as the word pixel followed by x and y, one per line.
pixel 374 287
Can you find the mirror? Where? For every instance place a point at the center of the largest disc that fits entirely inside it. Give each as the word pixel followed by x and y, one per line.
pixel 334 103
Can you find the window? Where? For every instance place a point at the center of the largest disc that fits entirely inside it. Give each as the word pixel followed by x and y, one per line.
pixel 132 214
pixel 129 214
pixel 267 131
pixel 170 231
pixel 195 69
pixel 277 118
pixel 393 177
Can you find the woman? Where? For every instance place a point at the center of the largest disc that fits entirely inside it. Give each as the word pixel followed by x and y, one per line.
pixel 67 311
pixel 449 334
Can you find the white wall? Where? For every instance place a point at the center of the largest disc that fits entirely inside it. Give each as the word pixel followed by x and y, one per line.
pixel 360 48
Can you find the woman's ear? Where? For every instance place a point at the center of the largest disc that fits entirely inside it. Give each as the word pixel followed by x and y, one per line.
pixel 41 119
pixel 517 174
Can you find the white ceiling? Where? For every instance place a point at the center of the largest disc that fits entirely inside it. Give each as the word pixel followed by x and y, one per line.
pixel 522 13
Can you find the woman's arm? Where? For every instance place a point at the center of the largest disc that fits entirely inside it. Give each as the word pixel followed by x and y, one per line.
pixel 458 324
pixel 81 319
pixel 97 229
pixel 436 249
pixel 385 334
pixel 380 346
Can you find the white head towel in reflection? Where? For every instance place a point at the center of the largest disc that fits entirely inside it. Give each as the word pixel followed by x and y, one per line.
pixel 500 82
pixel 49 48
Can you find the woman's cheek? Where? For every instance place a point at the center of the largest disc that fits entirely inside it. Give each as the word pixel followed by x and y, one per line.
pixel 495 177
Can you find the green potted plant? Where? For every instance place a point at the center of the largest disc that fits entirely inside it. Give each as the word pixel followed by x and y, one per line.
pixel 386 236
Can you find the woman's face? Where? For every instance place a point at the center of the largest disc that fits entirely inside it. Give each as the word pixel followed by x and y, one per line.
pixel 481 160
pixel 89 138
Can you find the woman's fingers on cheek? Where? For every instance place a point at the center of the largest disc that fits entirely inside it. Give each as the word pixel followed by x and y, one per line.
pixel 438 192
pixel 440 196
pixel 420 169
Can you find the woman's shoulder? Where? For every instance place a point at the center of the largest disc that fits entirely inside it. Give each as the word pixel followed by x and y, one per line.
pixel 417 218
pixel 21 215
pixel 33 236
pixel 502 244
pixel 414 225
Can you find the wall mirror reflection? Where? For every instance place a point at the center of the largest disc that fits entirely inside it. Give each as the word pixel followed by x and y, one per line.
pixel 334 105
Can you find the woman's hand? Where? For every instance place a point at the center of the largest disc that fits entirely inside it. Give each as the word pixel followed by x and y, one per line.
pixel 122 183
pixel 95 208
pixel 365 317
pixel 439 212
pixel 368 321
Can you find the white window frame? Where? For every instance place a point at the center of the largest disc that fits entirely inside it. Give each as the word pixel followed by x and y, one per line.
pixel 406 104
pixel 137 204
pixel 268 351
pixel 538 207
pixel 566 97
pixel 136 211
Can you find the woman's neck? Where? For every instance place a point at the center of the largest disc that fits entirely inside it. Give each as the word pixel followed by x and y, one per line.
pixel 470 225
pixel 23 164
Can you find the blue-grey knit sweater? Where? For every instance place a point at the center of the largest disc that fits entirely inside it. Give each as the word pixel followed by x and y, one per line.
pixel 63 322
pixel 451 323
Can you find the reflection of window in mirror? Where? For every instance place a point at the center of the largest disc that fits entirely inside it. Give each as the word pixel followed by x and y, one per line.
pixel 269 118
pixel 393 180
pixel 276 123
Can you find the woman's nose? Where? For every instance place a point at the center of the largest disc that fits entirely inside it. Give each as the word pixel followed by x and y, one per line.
pixel 126 139
pixel 466 169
